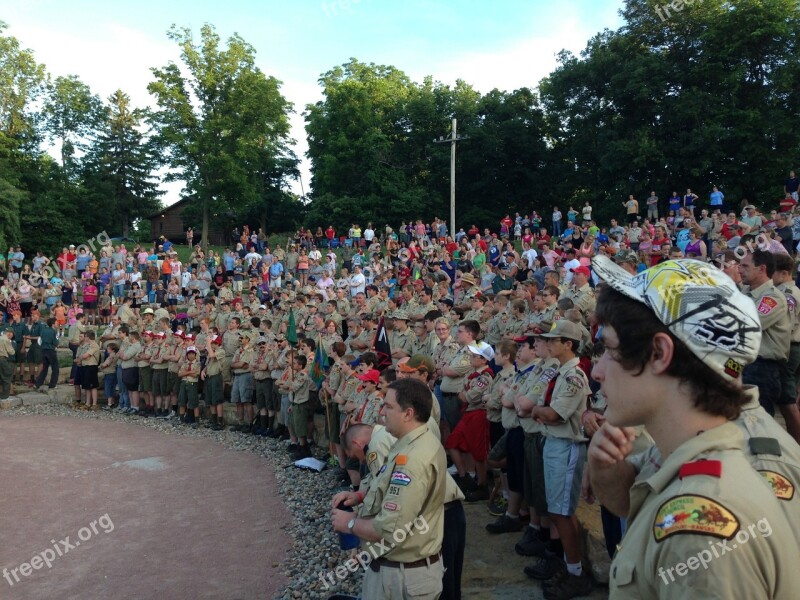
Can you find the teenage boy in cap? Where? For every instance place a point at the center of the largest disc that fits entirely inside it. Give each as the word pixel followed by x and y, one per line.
pixel 580 292
pixel 677 338
pixel 174 355
pixel 242 385
pixel 369 400
pixel 564 457
pixel 146 372
pixel 401 338
pixel 471 436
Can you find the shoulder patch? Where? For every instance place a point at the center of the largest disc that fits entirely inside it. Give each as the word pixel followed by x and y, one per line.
pixel 781 486
pixel 372 457
pixel 694 515
pixel 712 468
pixel 548 374
pixel 399 478
pixel 401 459
pixel 575 381
pixel 790 300
pixel 767 305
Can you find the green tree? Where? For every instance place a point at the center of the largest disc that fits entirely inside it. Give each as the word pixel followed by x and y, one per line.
pixel 120 165
pixel 222 126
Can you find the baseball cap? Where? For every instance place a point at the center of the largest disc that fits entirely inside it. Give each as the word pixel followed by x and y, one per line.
pixel 581 269
pixel 372 375
pixel 624 255
pixel 188 336
pixel 191 349
pixel 566 329
pixel 482 349
pixel 178 334
pixel 418 362
pixel 147 311
pixel 700 305
pixel 400 314
pixel 160 335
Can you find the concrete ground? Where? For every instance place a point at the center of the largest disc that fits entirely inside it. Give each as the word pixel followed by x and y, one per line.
pixel 147 515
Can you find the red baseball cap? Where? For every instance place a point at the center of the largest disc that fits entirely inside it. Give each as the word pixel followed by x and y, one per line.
pixel 582 269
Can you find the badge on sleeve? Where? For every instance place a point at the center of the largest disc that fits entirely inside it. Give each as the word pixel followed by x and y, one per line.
pixel 399 478
pixel 372 457
pixel 766 305
pixel 781 487
pixel 695 515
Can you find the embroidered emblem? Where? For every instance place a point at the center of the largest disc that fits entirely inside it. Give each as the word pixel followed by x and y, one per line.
pixel 781 487
pixel 694 514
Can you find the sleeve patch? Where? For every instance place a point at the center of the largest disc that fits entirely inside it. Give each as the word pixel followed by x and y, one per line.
pixel 401 459
pixel 698 515
pixel 791 302
pixel 781 487
pixel 372 457
pixel 481 383
pixel 548 374
pixel 767 305
pixel 390 506
pixel 399 478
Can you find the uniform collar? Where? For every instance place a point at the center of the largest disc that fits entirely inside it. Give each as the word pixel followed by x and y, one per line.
pixel 724 437
pixel 569 365
pixel 409 438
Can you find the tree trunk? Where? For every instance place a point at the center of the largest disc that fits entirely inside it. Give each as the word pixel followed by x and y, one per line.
pixel 126 228
pixel 204 233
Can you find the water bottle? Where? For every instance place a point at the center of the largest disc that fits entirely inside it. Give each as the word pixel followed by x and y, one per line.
pixel 347 541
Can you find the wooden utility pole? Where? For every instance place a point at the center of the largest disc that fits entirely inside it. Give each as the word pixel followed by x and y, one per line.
pixel 454 137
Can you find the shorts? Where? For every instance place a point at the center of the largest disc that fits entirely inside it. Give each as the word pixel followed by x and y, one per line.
pixel 263 393
pixel 498 451
pixel 515 459
pixel 34 355
pixel 242 388
pixel 564 461
pixel 214 390
pixel 496 433
pixel 130 377
pixel 173 382
pixel 105 312
pixel 765 375
pixel 90 304
pixel 78 375
pixel 89 380
pixel 451 409
pixel 471 435
pixel 300 416
pixel 788 371
pixel 534 488
pixel 188 395
pixel 25 309
pixel 159 385
pixel 146 379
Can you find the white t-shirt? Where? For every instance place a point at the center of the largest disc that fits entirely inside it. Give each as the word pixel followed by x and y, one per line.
pixel 530 255
pixel 315 254
pixel 369 235
pixel 358 284
pixel 570 264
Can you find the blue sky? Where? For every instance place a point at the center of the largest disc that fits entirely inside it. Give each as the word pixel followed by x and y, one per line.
pixel 505 44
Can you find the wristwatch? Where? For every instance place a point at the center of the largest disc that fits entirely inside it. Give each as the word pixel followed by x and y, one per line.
pixel 351 523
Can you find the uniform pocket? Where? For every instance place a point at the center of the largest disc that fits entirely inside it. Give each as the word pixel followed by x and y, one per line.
pixel 623 574
pixel 422 582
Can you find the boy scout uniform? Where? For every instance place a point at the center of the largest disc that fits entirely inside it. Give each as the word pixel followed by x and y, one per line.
pixel 789 368
pixel 214 393
pixel 262 379
pixel 6 366
pixel 188 395
pixel 173 353
pixel 159 366
pixel 409 491
pixel 705 502
pixel 425 346
pixel 145 367
pixel 452 386
pixel 242 386
pixel 301 407
pixel 401 340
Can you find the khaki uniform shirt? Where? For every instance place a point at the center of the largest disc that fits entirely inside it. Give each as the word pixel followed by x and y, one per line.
pixel 477 388
pixel 776 324
pixel 460 363
pixel 91 347
pixel 128 353
pixel 508 416
pixel 260 366
pixel 231 342
pixel 410 488
pixel 401 341
pixel 535 390
pixel 159 352
pixel 569 401
pixel 6 347
pixel 193 368
pixel 502 379
pixel 214 361
pixel 583 298
pixel 425 347
pixel 792 301
pixel 681 525
pixel 301 387
pixel 244 355
pixel 222 319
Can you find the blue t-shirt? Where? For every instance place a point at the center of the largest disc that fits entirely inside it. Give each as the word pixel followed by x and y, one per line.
pixel 167 245
pixel 716 198
pixel 682 239
pixel 81 261
pixel 494 255
pixel 674 203
pixel 229 260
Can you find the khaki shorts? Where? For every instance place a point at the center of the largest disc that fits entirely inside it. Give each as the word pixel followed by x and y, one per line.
pixel 300 415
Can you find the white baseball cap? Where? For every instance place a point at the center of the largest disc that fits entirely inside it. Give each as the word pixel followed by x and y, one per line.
pixel 699 304
pixel 482 349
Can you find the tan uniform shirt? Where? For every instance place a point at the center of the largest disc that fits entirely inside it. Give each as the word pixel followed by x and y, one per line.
pixel 243 355
pixel 401 340
pixel 460 363
pixel 410 488
pixel 569 401
pixel 502 379
pixel 776 324
pixel 706 536
pixel 93 350
pixel 793 304
pixel 6 347
pixel 535 389
pixel 214 361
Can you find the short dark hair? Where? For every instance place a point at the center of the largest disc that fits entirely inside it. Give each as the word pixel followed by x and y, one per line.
pixel 636 326
pixel 432 315
pixel 411 393
pixel 301 360
pixel 389 374
pixel 370 358
pixel 471 326
pixel 767 259
pixel 783 262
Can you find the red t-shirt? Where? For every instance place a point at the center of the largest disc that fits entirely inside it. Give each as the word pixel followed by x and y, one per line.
pixel 787 204
pixel 543 241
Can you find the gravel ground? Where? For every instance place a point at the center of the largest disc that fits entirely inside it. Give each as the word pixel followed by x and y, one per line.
pixel 315 550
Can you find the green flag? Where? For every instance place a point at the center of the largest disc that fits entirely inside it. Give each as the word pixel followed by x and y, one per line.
pixel 291 330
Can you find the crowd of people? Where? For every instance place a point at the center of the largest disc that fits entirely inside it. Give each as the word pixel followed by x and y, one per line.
pixel 499 353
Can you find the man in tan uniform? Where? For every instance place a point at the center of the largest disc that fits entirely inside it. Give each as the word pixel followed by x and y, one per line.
pixel 684 385
pixel 783 278
pixel 407 496
pixel 401 338
pixel 580 292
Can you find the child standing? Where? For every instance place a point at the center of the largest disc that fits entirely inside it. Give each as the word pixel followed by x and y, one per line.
pixel 108 371
pixel 60 314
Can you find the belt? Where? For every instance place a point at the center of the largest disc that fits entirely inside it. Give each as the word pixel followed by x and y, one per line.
pixel 376 564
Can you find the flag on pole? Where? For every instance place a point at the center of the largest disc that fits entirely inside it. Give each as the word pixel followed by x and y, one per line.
pixel 291 330
pixel 381 346
pixel 320 366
